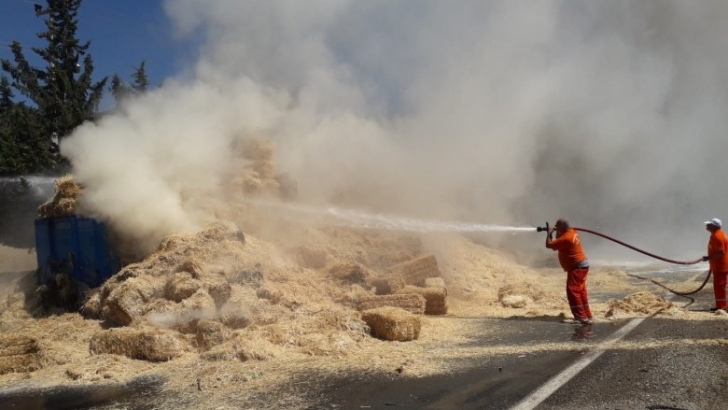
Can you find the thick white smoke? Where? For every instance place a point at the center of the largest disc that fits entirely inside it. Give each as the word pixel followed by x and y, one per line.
pixel 608 113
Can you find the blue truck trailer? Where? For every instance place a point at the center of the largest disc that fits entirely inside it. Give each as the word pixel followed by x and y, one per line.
pixel 75 246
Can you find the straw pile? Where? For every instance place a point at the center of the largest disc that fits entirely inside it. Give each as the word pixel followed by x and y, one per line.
pixel 435 298
pixel 211 285
pixel 524 294
pixel 173 280
pixel 415 272
pixel 410 302
pixel 19 354
pixel 394 324
pixel 353 273
pixel 640 302
pixel 210 334
pixel 154 345
pixel 63 202
pixel 259 171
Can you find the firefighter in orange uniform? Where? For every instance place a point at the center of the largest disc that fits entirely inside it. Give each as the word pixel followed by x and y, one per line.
pixel 718 259
pixel 576 265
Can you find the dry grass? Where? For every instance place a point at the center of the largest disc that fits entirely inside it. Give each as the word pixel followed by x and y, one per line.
pixel 63 202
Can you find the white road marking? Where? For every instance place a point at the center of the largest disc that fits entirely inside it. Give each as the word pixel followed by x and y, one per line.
pixel 538 396
pixel 543 392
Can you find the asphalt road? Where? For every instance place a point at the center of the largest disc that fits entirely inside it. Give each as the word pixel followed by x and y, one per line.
pixel 671 364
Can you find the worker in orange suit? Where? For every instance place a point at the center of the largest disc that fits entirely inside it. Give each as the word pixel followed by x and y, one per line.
pixel 576 265
pixel 718 259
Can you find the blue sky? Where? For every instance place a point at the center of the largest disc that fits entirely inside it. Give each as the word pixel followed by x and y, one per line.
pixel 122 34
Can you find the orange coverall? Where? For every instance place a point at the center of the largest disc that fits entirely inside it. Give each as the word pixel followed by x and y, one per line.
pixel 576 265
pixel 719 267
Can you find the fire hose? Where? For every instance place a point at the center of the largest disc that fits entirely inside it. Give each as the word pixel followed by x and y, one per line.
pixel 634 248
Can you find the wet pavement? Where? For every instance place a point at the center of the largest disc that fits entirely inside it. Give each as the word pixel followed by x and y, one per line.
pixel 494 381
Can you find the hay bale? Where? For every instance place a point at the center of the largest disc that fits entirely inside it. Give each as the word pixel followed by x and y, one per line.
pixel 154 345
pixel 353 272
pixel 394 324
pixel 127 301
pixel 181 286
pixel 415 272
pixel 413 303
pixel 13 345
pixel 19 354
pixel 381 286
pixel 435 283
pixel 209 334
pixel 396 283
pixel 435 298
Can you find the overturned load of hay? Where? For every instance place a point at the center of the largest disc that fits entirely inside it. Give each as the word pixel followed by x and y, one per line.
pixel 63 202
pixel 154 345
pixel 19 354
pixel 394 324
pixel 215 283
pixel 435 298
pixel 410 302
pixel 176 278
pixel 415 272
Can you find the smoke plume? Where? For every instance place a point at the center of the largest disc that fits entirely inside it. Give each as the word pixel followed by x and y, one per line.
pixel 607 113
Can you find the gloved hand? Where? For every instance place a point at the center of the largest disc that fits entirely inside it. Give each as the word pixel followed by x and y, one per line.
pixel 705 258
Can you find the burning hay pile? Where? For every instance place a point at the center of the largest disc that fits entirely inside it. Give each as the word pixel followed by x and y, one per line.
pixel 259 172
pixel 217 289
pixel 223 291
pixel 63 202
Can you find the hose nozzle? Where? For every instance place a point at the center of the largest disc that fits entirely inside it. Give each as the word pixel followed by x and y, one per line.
pixel 543 228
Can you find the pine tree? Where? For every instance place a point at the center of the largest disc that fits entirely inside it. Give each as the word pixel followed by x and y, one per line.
pixel 23 149
pixel 121 91
pixel 63 92
pixel 141 82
